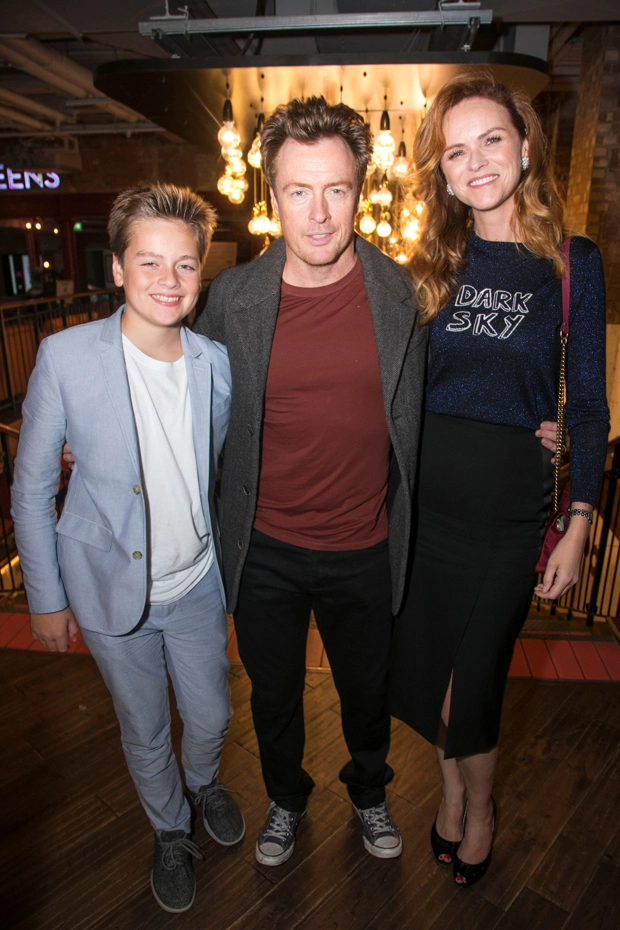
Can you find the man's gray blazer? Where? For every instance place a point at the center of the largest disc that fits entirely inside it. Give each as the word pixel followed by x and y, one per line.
pixel 95 558
pixel 241 313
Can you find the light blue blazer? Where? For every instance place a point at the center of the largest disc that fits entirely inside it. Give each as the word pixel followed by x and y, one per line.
pixel 95 558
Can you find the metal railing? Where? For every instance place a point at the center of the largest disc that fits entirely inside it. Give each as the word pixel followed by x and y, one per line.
pixel 23 325
pixel 10 571
pixel 597 593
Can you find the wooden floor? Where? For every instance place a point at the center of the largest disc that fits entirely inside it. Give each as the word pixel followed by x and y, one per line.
pixel 76 846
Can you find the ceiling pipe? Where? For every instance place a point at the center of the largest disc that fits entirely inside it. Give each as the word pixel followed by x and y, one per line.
pixel 31 106
pixel 50 66
pixel 13 118
pixel 85 129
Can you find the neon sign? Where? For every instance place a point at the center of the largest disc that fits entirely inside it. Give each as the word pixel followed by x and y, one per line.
pixel 11 180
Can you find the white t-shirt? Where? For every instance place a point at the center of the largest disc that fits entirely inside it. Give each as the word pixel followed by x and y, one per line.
pixel 180 547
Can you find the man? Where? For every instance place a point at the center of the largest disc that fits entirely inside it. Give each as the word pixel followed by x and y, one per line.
pixel 135 555
pixel 327 367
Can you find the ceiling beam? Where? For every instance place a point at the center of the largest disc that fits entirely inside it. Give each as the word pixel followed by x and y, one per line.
pixel 560 38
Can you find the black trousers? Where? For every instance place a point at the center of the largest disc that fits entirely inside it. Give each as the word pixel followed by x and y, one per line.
pixel 350 593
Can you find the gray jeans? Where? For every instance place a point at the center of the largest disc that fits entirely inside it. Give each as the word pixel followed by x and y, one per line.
pixel 188 638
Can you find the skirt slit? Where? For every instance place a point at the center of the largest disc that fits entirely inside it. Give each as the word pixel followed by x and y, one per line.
pixel 483 496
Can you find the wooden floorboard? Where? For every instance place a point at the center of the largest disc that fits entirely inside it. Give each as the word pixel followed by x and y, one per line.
pixel 75 846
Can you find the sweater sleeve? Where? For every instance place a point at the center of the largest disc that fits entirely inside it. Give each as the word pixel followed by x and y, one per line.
pixel 587 413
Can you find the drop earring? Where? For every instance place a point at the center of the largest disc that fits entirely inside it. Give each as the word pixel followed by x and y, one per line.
pixel 525 163
pixel 450 191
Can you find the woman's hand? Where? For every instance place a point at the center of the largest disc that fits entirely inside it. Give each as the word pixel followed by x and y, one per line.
pixel 547 432
pixel 55 629
pixel 562 570
pixel 69 459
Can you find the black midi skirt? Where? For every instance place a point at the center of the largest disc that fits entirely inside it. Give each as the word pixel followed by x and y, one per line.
pixel 483 497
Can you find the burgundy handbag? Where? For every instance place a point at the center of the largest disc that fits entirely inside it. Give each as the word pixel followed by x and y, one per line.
pixel 559 517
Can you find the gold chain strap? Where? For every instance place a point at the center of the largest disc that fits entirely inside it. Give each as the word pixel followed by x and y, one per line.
pixel 561 434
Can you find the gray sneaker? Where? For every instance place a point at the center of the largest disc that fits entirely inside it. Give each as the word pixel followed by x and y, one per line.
pixel 172 878
pixel 381 836
pixel 276 841
pixel 222 818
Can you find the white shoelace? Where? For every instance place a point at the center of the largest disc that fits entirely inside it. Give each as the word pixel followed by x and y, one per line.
pixel 280 823
pixel 378 819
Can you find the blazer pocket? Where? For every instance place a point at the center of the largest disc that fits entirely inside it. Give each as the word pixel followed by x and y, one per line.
pixel 85 531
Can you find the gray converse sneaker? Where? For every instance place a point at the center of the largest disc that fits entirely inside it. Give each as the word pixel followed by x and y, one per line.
pixel 381 836
pixel 276 841
pixel 222 818
pixel 172 878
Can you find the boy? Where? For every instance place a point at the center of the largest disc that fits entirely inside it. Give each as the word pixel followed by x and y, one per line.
pixel 135 557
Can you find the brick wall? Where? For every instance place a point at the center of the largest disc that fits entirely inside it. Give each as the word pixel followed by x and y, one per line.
pixel 111 163
pixel 584 132
pixel 603 223
pixel 593 198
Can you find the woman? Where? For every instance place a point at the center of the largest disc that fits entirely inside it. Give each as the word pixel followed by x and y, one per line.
pixel 487 274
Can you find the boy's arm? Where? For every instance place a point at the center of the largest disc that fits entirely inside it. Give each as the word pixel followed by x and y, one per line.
pixel 35 485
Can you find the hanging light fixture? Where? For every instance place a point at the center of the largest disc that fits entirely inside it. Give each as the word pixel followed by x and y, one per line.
pixel 383 150
pixel 384 228
pixel 236 195
pixel 254 155
pixel 231 184
pixel 400 165
pixel 225 182
pixel 371 167
pixel 411 229
pixel 384 195
pixel 367 223
pixel 260 224
pixel 228 136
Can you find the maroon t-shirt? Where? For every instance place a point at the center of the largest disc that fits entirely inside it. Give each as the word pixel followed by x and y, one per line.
pixel 326 446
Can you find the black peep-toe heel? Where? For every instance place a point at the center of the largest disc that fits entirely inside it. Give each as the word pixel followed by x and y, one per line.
pixel 466 874
pixel 444 850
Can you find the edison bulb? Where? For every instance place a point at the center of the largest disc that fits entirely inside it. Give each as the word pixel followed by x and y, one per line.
pixel 367 224
pixel 225 184
pixel 228 136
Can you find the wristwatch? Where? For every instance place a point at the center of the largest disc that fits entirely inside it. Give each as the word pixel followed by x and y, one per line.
pixel 579 512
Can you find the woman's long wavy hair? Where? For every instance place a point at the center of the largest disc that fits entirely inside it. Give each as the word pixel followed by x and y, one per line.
pixel 537 219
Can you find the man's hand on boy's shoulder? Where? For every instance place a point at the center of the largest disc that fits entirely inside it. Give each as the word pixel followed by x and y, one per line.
pixel 54 630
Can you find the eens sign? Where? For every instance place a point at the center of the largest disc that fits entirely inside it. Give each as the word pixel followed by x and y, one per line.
pixel 25 180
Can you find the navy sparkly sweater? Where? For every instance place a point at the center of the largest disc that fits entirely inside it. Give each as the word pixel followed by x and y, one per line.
pixel 495 349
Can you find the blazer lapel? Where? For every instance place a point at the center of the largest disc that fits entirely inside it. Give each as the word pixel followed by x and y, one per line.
pixel 392 307
pixel 255 312
pixel 115 375
pixel 199 384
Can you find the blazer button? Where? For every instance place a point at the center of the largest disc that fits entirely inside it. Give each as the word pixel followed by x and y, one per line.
pixel 250 429
pixel 246 489
pixel 137 556
pixel 136 489
pixel 240 543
